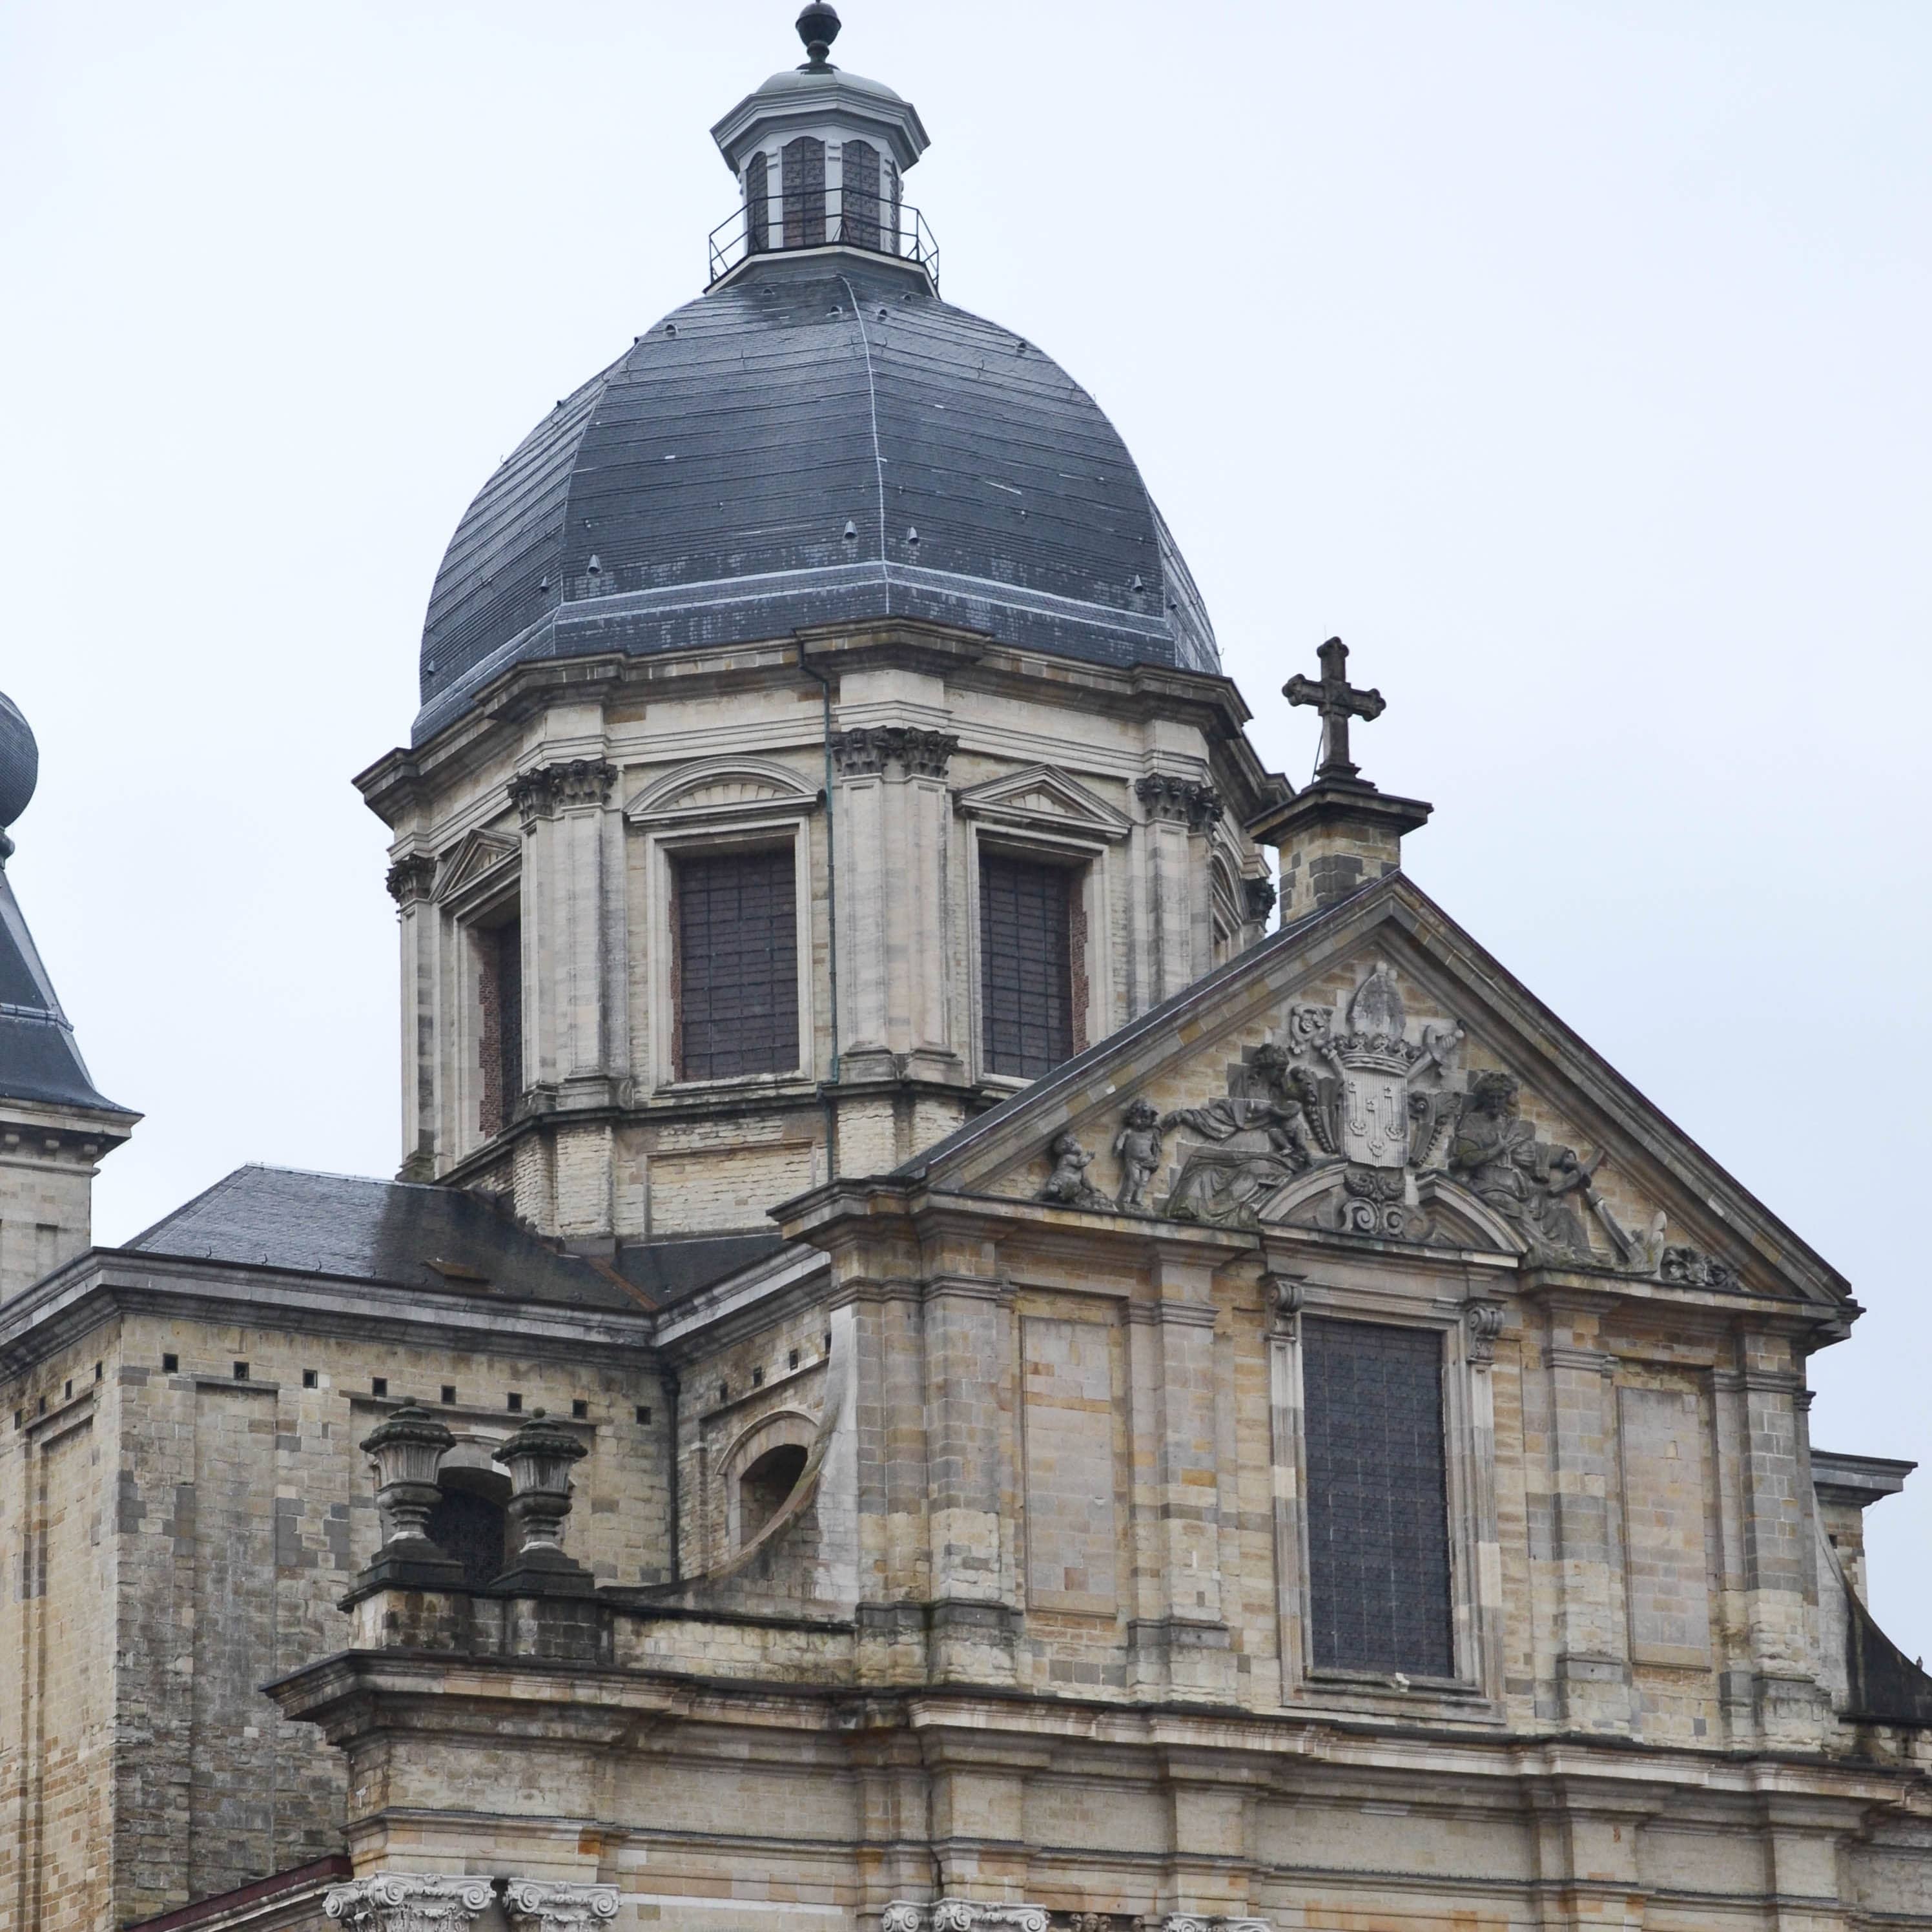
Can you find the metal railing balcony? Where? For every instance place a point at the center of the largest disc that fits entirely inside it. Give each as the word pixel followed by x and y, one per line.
pixel 876 227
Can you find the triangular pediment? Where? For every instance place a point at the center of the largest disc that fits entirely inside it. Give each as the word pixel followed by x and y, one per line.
pixel 477 859
pixel 1371 1074
pixel 1042 798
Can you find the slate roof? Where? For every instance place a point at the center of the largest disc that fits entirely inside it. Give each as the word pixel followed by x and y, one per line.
pixel 415 1236
pixel 713 470
pixel 40 1059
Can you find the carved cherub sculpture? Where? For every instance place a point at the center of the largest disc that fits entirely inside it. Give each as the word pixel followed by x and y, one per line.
pixel 1067 1185
pixel 1138 1147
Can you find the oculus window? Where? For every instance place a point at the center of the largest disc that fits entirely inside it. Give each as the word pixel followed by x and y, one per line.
pixel 735 923
pixel 1378 1501
pixel 1029 914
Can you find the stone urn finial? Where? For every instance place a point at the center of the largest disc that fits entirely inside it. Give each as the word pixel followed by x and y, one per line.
pixel 408 1449
pixel 538 1457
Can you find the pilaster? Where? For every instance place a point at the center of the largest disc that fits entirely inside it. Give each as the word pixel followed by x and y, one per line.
pixel 894 817
pixel 969 1479
pixel 1592 1658
pixel 562 807
pixel 1179 1639
pixel 1179 811
pixel 411 880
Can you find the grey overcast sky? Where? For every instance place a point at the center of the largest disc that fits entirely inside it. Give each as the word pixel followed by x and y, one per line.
pixel 1570 359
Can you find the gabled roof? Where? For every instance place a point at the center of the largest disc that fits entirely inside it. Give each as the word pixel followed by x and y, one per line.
pixel 1086 1094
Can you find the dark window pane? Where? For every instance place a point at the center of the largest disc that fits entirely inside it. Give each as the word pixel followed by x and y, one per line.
pixel 736 921
pixel 470 1529
pixel 1377 1506
pixel 1026 965
pixel 859 197
pixel 757 206
pixel 804 180
pixel 763 1488
pixel 500 1035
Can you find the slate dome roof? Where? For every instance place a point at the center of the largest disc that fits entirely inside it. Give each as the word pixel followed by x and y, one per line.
pixel 818 439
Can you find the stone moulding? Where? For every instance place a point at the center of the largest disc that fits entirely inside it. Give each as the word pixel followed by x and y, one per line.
pixel 407 1902
pixel 544 1905
pixel 1182 1922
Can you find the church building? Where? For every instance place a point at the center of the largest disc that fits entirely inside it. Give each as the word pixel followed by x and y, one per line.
pixel 936 1360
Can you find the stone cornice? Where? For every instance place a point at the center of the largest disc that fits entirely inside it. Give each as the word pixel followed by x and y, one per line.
pixel 357 1693
pixel 104 1282
pixel 408 777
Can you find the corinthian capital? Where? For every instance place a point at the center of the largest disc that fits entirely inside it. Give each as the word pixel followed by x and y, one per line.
pixel 542 1905
pixel 541 793
pixel 405 1902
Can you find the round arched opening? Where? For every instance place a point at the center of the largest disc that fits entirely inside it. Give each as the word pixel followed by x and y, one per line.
pixel 469 1521
pixel 763 1487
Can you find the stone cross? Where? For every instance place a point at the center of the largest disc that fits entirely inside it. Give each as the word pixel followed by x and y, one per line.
pixel 1338 700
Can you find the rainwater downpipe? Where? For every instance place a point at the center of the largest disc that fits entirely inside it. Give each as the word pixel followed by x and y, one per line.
pixel 831 919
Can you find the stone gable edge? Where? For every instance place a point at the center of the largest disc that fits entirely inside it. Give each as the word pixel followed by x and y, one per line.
pixel 1552 1060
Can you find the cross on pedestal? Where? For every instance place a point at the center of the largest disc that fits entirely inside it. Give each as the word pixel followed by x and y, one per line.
pixel 1338 700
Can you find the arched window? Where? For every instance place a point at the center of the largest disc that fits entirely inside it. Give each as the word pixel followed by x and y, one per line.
pixel 468 1523
pixel 757 206
pixel 859 198
pixel 763 1487
pixel 804 193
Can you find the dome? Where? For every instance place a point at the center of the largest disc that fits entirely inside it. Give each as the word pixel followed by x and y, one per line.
pixel 819 439
pixel 19 762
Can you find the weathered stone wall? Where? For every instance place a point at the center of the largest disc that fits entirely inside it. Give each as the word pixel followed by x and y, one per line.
pixel 175 1537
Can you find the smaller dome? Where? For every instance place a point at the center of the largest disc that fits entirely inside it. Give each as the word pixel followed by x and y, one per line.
pixel 19 762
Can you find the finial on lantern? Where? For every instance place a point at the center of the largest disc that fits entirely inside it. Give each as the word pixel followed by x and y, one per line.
pixel 818 27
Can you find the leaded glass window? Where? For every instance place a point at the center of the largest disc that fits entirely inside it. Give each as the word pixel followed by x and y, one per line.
pixel 735 920
pixel 804 182
pixel 1377 1505
pixel 1026 945
pixel 859 195
pixel 500 987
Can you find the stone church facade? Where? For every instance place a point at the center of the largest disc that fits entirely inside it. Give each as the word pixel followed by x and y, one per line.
pixel 934 1363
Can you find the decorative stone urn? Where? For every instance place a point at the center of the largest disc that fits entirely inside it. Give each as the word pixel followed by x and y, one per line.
pixel 538 1457
pixel 408 1449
